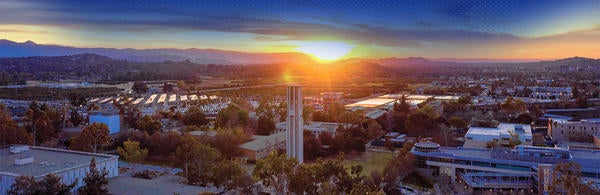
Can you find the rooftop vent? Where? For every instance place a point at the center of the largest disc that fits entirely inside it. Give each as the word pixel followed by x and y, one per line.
pixel 18 149
pixel 24 160
pixel 519 128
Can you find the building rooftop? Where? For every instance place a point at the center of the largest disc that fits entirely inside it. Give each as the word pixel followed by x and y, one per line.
pixel 372 103
pixel 260 142
pixel 502 131
pixel 105 112
pixel 46 160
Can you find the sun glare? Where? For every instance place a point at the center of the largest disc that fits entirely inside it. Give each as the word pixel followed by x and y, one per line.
pixel 324 50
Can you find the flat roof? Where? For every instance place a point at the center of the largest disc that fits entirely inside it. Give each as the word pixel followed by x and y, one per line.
pixel 261 142
pixel 490 133
pixel 104 113
pixel 47 160
pixel 371 103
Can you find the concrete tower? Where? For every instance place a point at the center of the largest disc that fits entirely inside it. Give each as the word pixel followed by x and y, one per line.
pixel 295 126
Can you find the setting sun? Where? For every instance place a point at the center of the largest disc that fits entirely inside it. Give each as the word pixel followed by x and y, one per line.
pixel 325 50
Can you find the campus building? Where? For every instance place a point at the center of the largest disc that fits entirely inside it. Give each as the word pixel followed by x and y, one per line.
pixel 261 146
pixel 499 169
pixel 563 130
pixel 41 161
pixel 112 119
pixel 316 128
pixel 478 137
pixel 551 92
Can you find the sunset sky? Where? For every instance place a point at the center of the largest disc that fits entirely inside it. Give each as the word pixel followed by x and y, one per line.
pixel 519 29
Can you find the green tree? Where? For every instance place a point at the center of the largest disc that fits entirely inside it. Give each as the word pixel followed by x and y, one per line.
pixel 131 151
pixel 148 124
pixel 194 116
pixel 41 121
pixel 75 118
pixel 245 184
pixel 77 99
pixel 226 173
pixel 420 124
pixel 196 159
pixel 464 101
pixel 512 105
pixel 231 116
pixel 458 122
pixel 399 167
pixel 227 141
pixel 312 146
pixel 49 184
pixel 281 111
pixel 140 87
pixel 514 140
pixel 10 132
pixel 265 109
pixel 491 144
pixel 266 126
pixel 90 138
pixel 303 180
pixel 566 178
pixel 306 113
pixel 96 182
pixel 274 171
pixel 401 105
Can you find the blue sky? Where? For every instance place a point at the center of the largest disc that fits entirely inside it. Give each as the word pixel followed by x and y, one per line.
pixel 375 28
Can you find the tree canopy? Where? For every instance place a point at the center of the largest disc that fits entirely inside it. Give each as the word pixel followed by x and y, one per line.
pixel 90 138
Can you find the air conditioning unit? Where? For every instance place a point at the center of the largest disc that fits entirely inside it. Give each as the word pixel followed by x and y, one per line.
pixel 23 160
pixel 18 149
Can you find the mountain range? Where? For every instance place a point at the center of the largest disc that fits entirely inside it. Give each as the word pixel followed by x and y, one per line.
pixel 10 49
pixel 202 56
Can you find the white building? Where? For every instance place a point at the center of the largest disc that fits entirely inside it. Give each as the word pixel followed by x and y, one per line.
pixel 261 146
pixel 551 92
pixel 563 130
pixel 477 137
pixel 40 161
pixel 316 128
pixel 294 121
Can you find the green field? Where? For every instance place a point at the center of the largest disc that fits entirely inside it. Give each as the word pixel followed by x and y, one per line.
pixel 370 161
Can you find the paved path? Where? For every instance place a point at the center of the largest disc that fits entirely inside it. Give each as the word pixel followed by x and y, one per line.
pixel 166 184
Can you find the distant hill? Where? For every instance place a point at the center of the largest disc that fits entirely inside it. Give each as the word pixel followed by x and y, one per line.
pixel 202 56
pixel 11 49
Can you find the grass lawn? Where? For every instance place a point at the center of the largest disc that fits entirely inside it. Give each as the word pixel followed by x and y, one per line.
pixel 370 161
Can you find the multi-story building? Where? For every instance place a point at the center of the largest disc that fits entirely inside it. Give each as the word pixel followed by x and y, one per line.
pixel 501 168
pixel 551 92
pixel 563 130
pixel 40 161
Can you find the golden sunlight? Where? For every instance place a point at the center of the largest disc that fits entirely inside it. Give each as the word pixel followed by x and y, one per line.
pixel 325 50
